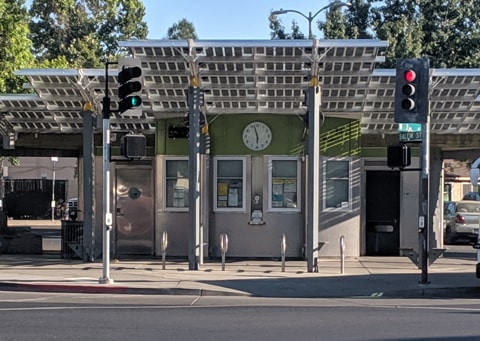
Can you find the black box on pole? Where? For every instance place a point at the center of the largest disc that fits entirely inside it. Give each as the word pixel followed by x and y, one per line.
pixel 134 146
pixel 398 156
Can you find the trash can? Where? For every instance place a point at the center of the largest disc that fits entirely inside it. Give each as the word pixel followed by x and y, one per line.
pixel 72 239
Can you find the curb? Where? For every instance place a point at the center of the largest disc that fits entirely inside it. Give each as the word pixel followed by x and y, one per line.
pixel 442 292
pixel 111 289
pixel 452 292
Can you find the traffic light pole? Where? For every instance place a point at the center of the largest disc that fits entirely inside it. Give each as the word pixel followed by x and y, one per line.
pixel 424 202
pixel 107 214
pixel 313 177
pixel 194 244
pixel 412 105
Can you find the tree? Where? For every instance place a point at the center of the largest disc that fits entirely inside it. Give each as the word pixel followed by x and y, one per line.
pixel 91 36
pixel 357 20
pixel 451 32
pixel 398 22
pixel 446 32
pixel 334 26
pixel 14 44
pixel 278 30
pixel 184 29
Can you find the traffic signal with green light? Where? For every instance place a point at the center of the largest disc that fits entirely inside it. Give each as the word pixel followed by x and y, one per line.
pixel 411 90
pixel 130 87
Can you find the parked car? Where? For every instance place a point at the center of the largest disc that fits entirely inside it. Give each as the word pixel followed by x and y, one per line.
pixel 464 223
pixel 472 196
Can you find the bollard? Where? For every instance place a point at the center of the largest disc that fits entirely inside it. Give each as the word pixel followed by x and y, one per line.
pixel 283 249
pixel 223 248
pixel 342 254
pixel 164 248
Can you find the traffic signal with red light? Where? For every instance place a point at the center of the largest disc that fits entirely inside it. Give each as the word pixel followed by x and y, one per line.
pixel 130 87
pixel 411 90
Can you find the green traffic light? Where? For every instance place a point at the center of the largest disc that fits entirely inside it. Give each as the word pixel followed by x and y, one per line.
pixel 129 102
pixel 135 101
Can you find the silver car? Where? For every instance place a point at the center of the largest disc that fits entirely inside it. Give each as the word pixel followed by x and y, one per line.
pixel 464 224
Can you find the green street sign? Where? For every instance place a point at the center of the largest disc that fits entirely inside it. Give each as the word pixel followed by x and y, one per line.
pixel 410 132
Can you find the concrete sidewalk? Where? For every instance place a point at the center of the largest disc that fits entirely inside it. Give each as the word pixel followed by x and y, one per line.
pixel 363 277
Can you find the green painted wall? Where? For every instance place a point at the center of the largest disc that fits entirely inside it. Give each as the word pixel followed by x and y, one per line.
pixel 226 135
pixel 338 137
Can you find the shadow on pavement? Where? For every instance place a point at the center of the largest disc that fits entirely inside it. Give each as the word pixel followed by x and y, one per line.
pixel 377 285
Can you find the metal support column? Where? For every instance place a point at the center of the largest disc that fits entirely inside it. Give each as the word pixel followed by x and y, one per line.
pixel 88 181
pixel 313 177
pixel 194 243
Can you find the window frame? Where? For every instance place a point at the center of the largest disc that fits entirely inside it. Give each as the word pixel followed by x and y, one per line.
pixel 243 208
pixel 165 185
pixel 271 159
pixel 348 207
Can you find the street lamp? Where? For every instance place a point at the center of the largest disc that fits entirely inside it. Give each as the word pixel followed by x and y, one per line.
pixel 334 5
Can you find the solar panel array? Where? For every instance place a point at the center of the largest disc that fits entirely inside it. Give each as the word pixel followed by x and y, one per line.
pixel 242 77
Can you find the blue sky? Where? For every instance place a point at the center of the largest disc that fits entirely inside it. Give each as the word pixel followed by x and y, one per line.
pixel 228 19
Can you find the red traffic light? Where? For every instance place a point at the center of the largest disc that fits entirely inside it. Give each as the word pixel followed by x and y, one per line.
pixel 410 75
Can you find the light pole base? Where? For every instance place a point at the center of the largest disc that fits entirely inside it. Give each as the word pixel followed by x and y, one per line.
pixel 105 280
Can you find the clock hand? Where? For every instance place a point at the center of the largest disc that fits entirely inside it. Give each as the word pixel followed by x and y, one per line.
pixel 256 133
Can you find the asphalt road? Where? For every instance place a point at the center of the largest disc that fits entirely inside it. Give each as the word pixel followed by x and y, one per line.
pixel 47 316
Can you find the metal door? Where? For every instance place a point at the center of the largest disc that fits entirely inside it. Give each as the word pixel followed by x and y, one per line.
pixel 134 211
pixel 383 213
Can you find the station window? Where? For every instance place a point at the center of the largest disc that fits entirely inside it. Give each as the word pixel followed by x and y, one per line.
pixel 176 187
pixel 229 189
pixel 337 184
pixel 284 184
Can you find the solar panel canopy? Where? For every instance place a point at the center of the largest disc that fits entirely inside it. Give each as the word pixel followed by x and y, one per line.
pixel 241 77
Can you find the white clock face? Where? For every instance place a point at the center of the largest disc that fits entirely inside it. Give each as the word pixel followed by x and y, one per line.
pixel 257 136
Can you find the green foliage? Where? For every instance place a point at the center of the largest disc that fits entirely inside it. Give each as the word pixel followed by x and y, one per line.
pixel 184 29
pixel 278 30
pixel 399 23
pixel 451 32
pixel 83 33
pixel 357 20
pixel 446 32
pixel 14 45
pixel 335 26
